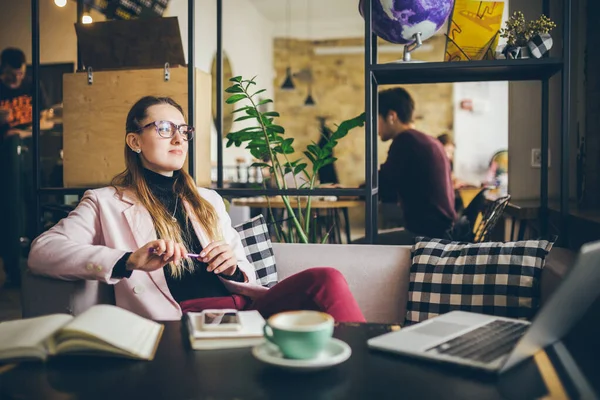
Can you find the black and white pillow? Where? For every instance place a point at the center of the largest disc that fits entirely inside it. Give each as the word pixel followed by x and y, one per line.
pixel 540 44
pixel 259 251
pixel 499 279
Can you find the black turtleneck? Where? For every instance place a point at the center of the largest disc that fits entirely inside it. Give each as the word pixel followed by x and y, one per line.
pixel 198 283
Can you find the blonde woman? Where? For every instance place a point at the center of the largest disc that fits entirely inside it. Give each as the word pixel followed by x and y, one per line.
pixel 140 235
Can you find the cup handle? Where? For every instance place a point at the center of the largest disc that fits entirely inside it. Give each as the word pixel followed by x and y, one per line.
pixel 268 332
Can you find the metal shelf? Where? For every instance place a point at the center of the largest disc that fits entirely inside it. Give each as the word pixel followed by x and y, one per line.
pixel 466 71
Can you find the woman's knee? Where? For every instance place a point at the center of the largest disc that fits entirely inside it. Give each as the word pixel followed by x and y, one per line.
pixel 327 276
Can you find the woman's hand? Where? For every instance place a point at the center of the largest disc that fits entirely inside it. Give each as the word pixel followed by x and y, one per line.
pixel 155 255
pixel 220 258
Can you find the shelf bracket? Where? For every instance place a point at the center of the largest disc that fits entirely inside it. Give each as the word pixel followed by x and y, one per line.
pixel 409 48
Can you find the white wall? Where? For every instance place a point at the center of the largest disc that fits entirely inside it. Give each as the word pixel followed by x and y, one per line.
pixel 482 132
pixel 247 40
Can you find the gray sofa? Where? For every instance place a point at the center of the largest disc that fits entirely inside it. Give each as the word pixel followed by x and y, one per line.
pixel 378 277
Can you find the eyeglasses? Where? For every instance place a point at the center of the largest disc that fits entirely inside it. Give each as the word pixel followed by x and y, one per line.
pixel 167 129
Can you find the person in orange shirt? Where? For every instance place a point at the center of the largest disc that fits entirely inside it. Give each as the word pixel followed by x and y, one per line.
pixel 16 94
pixel 16 119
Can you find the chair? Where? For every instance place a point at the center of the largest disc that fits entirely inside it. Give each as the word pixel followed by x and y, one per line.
pixel 478 220
pixel 490 218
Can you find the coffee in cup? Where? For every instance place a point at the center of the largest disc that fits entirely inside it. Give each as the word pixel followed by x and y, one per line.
pixel 299 335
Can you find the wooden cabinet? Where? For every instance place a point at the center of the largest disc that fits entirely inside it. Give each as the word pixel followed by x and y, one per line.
pixel 94 120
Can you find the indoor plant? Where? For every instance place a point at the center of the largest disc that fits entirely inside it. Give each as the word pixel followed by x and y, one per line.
pixel 265 140
pixel 519 33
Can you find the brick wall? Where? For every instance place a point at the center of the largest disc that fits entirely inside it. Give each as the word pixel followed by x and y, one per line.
pixel 338 90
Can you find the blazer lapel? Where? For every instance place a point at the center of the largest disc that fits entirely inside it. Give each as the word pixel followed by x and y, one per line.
pixel 143 231
pixel 140 222
pixel 198 229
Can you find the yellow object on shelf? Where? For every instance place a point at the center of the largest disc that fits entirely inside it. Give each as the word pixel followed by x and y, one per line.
pixel 473 32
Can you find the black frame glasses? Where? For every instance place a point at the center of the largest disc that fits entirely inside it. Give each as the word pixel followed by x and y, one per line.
pixel 186 131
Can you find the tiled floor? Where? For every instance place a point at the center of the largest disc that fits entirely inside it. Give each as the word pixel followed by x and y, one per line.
pixel 10 304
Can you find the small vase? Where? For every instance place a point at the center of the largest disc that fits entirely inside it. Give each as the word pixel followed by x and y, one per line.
pixel 517 52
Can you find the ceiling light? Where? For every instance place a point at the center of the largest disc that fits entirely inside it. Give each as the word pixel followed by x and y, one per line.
pixel 86 19
pixel 309 102
pixel 60 3
pixel 288 83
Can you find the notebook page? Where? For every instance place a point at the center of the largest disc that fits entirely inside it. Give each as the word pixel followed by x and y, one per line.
pixel 119 328
pixel 30 332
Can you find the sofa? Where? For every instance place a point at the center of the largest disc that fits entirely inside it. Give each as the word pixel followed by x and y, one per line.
pixel 378 277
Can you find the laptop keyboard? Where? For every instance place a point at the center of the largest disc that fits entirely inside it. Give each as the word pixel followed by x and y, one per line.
pixel 484 344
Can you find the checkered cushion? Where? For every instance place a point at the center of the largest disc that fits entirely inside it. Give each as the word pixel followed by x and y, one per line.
pixel 257 244
pixel 540 44
pixel 491 278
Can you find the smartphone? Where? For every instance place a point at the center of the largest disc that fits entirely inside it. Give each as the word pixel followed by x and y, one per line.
pixel 220 320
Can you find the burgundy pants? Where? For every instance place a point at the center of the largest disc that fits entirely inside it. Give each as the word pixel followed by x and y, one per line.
pixel 320 289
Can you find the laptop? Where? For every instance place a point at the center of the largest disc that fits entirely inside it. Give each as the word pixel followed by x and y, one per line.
pixel 497 344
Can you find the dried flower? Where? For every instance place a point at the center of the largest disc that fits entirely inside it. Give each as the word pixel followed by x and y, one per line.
pixel 518 31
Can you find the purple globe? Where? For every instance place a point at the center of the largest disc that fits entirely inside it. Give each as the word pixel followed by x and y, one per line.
pixel 398 20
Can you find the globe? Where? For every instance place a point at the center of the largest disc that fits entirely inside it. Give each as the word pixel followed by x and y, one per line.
pixel 397 21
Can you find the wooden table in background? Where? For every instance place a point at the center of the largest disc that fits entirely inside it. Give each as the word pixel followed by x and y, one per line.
pixel 331 207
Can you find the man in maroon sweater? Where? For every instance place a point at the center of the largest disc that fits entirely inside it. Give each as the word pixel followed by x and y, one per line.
pixel 416 174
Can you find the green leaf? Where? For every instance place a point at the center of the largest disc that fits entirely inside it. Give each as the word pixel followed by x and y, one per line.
pixel 257 153
pixel 259 92
pixel 235 98
pixel 257 142
pixel 314 149
pixel 243 118
pixel 265 101
pixel 276 129
pixel 234 89
pixel 251 111
pixel 241 109
pixel 346 126
pixel 271 114
pixel 237 79
pixel 260 165
pixel 299 168
pixel 310 157
pixel 328 161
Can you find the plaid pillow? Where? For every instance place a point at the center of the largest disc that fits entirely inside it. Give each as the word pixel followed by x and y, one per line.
pixel 259 252
pixel 499 279
pixel 540 44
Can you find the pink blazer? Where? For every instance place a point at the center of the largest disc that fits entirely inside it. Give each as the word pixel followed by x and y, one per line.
pixel 103 227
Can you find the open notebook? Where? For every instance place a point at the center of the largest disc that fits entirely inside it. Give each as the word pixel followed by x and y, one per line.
pixel 101 330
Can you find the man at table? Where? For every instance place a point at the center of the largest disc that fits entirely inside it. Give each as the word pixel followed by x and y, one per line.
pixel 416 174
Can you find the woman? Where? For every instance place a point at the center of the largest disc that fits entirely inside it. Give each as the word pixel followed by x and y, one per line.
pixel 136 235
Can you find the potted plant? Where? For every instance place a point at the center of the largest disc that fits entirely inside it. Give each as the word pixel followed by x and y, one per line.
pixel 527 38
pixel 266 141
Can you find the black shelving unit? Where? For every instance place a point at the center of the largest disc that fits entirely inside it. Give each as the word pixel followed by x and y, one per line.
pixel 444 72
pixel 476 71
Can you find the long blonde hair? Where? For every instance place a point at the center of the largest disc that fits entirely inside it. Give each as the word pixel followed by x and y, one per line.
pixel 132 179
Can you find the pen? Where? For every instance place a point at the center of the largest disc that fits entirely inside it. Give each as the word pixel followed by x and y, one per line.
pixel 189 255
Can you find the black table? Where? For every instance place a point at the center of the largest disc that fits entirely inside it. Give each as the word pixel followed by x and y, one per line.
pixel 178 372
